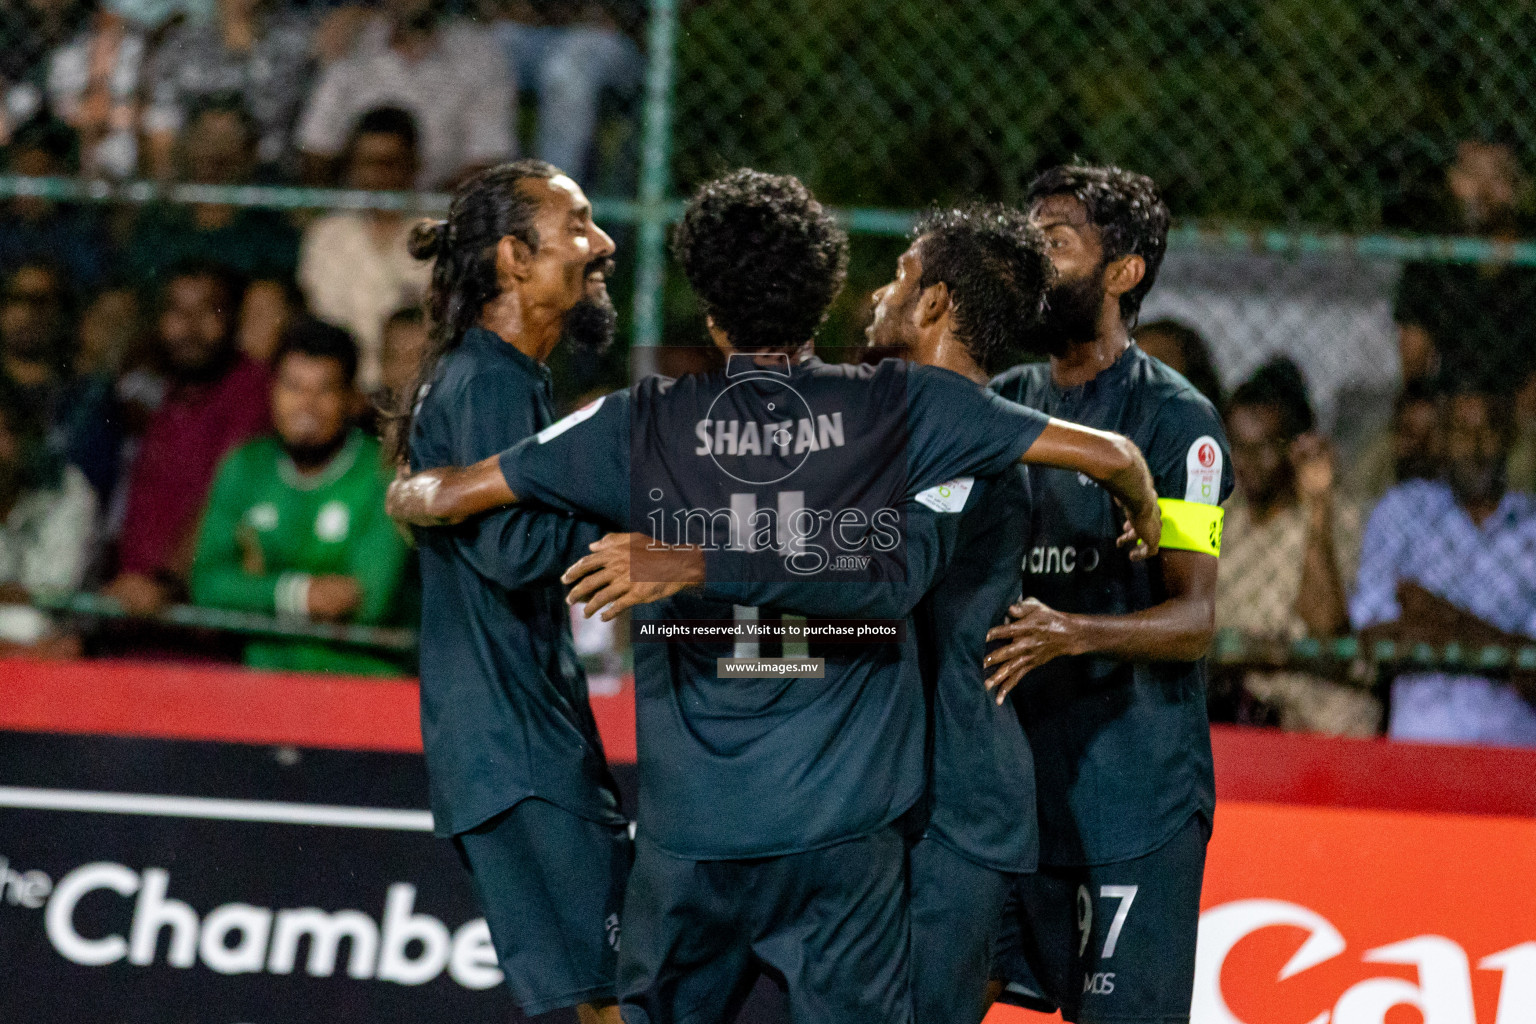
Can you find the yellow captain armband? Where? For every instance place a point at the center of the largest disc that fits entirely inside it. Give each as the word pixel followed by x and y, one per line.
pixel 1191 526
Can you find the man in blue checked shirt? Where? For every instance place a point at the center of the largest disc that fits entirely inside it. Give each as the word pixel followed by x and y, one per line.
pixel 1455 559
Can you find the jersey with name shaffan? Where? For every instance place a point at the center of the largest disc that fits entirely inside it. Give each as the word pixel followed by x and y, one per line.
pixel 742 768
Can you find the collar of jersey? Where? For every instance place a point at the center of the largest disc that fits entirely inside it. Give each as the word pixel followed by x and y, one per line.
pixel 745 364
pixel 1110 374
pixel 490 341
pixel 340 464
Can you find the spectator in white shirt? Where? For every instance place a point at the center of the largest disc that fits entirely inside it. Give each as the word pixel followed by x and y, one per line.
pixel 1290 548
pixel 353 265
pixel 93 85
pixel 47 516
pixel 449 75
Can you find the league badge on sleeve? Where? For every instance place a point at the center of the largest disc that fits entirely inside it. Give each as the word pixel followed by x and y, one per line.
pixel 1203 471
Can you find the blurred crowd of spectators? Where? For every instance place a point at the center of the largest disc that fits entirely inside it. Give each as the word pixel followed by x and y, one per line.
pixel 1429 534
pixel 187 391
pixel 164 462
pixel 131 78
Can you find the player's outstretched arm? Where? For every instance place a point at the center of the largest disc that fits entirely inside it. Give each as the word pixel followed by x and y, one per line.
pixel 628 569
pixel 448 494
pixel 1116 463
pixel 1178 629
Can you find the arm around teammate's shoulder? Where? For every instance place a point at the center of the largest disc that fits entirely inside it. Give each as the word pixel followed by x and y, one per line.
pixel 447 494
pixel 582 472
pixel 1116 463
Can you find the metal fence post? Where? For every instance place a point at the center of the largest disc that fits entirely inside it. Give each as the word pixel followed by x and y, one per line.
pixel 655 165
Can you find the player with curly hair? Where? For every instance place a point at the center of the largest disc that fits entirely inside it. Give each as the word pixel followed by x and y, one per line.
pixel 774 806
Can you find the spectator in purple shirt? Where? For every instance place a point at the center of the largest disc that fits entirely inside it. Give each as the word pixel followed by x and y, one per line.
pixel 1454 559
pixel 217 399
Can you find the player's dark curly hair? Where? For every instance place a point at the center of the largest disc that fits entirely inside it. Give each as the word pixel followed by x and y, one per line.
pixel 485 209
pixel 763 256
pixel 995 267
pixel 1128 211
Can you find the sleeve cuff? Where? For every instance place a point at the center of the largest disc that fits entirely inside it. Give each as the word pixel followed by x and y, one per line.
pixel 291 598
pixel 1034 426
pixel 508 461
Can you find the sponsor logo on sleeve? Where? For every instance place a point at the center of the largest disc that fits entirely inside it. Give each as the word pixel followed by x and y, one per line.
pixel 1203 471
pixel 949 496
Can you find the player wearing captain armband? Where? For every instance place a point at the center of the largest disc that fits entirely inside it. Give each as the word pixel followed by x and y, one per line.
pixel 1105 657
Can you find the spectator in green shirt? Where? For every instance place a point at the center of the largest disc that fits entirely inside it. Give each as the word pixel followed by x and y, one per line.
pixel 295 525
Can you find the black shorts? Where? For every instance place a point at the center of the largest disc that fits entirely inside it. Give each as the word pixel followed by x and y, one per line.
pixel 551 885
pixel 829 925
pixel 957 907
pixel 1108 942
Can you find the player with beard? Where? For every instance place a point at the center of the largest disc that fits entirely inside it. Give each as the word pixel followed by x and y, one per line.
pixel 1106 654
pixel 516 768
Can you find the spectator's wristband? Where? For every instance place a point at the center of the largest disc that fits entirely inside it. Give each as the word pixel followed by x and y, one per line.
pixel 1191 526
pixel 291 598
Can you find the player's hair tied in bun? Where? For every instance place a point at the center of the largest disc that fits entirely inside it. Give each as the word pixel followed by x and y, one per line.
pixel 428 239
pixel 487 207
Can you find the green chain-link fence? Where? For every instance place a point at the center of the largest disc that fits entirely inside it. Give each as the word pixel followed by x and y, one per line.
pixel 1314 112
pixel 1298 142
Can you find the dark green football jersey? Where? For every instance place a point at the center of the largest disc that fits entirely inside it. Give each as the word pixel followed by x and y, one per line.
pixel 1122 750
pixel 981 783
pixel 964 541
pixel 504 707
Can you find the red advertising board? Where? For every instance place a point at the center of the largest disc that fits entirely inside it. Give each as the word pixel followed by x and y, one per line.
pixel 1316 913
pixel 1348 882
pixel 1324 915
